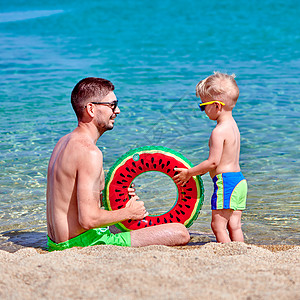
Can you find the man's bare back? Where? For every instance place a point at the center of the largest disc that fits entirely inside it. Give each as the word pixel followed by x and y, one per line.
pixel 70 152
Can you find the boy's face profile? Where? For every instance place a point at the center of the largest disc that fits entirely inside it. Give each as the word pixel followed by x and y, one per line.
pixel 211 107
pixel 203 104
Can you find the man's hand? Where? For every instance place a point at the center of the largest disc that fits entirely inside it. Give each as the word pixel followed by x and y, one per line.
pixel 136 208
pixel 131 191
pixel 182 177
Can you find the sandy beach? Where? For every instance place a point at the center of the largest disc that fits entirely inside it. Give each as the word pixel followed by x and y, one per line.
pixel 209 271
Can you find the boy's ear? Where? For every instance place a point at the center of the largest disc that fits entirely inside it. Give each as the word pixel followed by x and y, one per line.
pixel 219 105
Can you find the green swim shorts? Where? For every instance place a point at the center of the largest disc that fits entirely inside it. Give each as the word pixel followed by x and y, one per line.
pixel 96 236
pixel 230 191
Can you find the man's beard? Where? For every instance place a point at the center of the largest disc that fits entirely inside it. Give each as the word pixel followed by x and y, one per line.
pixel 104 127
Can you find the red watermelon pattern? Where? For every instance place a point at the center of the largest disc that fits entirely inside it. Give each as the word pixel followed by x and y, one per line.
pixel 160 159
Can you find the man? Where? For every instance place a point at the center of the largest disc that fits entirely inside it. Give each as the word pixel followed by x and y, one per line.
pixel 76 178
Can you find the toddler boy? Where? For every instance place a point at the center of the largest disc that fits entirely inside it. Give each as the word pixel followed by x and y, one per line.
pixel 219 93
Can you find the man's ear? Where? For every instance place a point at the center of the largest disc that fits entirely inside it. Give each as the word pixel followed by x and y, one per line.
pixel 90 109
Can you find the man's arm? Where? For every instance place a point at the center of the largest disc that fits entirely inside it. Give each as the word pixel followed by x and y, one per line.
pixel 90 215
pixel 216 143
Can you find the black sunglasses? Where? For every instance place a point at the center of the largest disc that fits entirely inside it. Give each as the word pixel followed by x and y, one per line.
pixel 113 105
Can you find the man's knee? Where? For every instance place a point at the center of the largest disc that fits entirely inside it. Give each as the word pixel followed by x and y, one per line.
pixel 182 233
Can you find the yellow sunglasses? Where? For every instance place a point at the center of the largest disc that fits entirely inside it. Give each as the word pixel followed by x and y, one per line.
pixel 202 105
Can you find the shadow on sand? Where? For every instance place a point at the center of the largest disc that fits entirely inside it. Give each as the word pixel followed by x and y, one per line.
pixel 13 240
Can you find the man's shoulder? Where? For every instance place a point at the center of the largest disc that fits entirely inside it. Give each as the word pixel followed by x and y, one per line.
pixel 83 144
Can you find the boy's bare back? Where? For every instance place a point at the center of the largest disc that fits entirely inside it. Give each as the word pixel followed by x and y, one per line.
pixel 226 135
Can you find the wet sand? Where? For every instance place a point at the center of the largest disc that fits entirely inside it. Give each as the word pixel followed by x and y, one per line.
pixel 209 271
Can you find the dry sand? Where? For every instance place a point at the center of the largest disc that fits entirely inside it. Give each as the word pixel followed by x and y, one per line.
pixel 211 271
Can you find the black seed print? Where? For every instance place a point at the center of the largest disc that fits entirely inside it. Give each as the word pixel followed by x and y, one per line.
pixel 147 165
pixel 129 221
pixel 124 180
pixel 122 175
pixel 129 176
pixel 133 171
pixel 158 220
pixel 165 220
pixel 184 200
pixel 189 189
pixel 171 216
pixel 142 161
pixel 162 166
pixel 168 170
pixel 118 191
pixel 122 194
pixel 154 165
pixel 188 206
pixel 178 219
pixel 139 223
pixel 133 163
pixel 168 162
pixel 152 159
pixel 182 212
pixel 140 168
pixel 180 205
pixel 177 212
pixel 128 170
pixel 188 197
pixel 120 206
pixel 160 161
pixel 119 182
pixel 117 200
pixel 150 222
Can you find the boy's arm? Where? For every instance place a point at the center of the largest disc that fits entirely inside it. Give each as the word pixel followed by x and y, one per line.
pixel 216 143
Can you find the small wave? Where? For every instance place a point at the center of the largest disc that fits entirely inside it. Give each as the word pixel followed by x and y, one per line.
pixel 26 15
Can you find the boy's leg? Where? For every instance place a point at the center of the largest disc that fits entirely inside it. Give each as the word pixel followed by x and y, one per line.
pixel 219 223
pixel 171 234
pixel 235 226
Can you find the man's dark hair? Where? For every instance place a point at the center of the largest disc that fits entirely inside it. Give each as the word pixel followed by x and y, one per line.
pixel 89 89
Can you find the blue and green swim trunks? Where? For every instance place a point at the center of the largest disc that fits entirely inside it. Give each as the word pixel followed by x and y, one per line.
pixel 230 191
pixel 96 236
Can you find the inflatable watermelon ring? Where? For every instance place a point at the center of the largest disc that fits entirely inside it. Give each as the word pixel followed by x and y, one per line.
pixel 153 158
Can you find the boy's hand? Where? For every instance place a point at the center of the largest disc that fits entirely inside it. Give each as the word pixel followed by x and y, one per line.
pixel 136 208
pixel 182 177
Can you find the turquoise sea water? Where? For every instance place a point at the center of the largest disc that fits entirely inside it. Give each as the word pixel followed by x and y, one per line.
pixel 154 52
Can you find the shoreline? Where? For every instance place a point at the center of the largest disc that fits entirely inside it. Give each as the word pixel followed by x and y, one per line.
pixel 210 271
pixel 38 240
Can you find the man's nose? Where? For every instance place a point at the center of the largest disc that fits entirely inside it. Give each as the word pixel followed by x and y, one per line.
pixel 117 110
